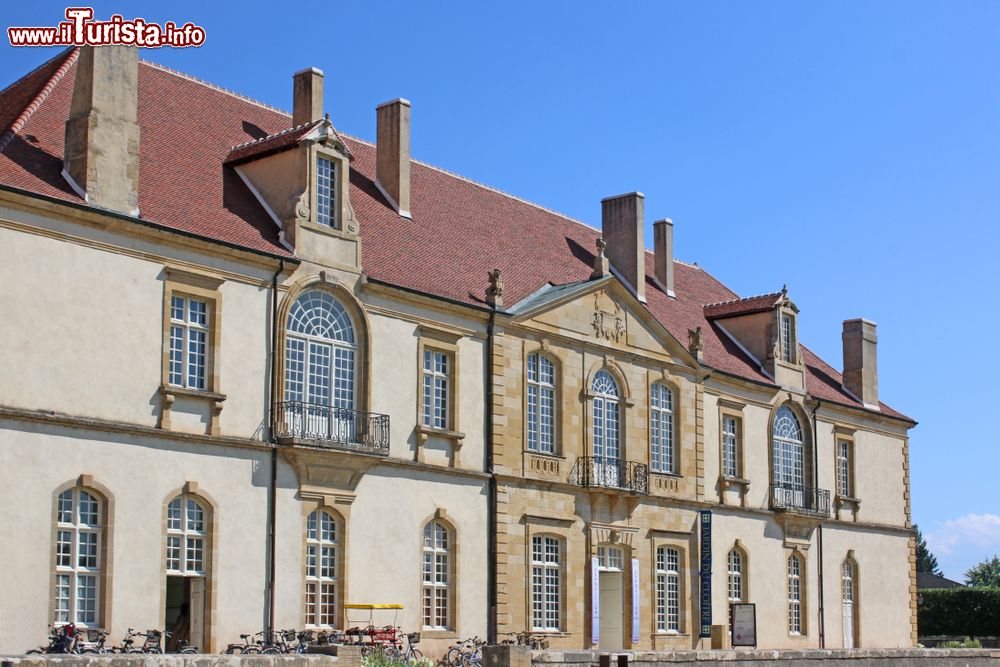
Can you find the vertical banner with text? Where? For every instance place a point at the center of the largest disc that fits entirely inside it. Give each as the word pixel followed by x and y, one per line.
pixel 705 531
pixel 595 601
pixel 635 601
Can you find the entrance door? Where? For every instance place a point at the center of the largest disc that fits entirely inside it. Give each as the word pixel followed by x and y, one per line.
pixel 185 612
pixel 612 592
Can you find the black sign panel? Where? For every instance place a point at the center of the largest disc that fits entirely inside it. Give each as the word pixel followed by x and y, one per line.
pixel 743 624
pixel 705 529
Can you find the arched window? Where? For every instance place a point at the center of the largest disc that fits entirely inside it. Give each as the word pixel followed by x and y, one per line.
pixel 606 418
pixel 661 429
pixel 849 590
pixel 788 452
pixel 546 587
pixel 437 584
pixel 541 404
pixel 668 590
pixel 320 368
pixel 187 534
pixel 794 594
pixel 737 566
pixel 79 534
pixel 322 539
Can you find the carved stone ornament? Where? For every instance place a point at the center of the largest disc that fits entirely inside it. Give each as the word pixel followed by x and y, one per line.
pixel 300 204
pixel 601 265
pixel 696 341
pixel 494 293
pixel 608 324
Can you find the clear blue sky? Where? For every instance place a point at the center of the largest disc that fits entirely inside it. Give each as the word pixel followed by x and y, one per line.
pixel 848 149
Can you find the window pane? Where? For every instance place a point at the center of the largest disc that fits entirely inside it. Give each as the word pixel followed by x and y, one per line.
pixel 62 598
pixel 325 181
pixel 86 599
pixel 64 507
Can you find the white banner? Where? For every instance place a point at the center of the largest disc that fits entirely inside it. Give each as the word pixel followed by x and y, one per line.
pixel 635 601
pixel 595 601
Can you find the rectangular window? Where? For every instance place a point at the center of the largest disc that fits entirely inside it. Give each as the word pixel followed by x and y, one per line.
pixel 188 343
pixel 435 389
pixel 661 429
pixel 844 468
pixel 786 339
pixel 668 590
pixel 86 599
pixel 545 584
pixel 62 598
pixel 326 183
pixel 541 404
pixel 735 576
pixel 730 446
pixel 794 595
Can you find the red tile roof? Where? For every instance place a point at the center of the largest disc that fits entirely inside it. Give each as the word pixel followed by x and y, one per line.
pixel 746 306
pixel 272 143
pixel 459 229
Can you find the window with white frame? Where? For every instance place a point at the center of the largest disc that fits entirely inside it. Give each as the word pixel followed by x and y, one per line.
pixel 436 387
pixel 794 595
pixel 326 192
pixel 668 590
pixel 187 534
pixel 661 428
pixel 436 576
pixel 787 338
pixel 189 327
pixel 730 446
pixel 788 451
pixel 321 569
pixel 844 481
pixel 736 565
pixel 79 533
pixel 541 404
pixel 546 591
pixel 606 417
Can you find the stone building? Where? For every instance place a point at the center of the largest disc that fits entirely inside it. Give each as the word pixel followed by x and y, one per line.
pixel 257 371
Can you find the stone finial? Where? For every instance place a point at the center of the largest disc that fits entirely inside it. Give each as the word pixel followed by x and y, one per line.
pixel 494 293
pixel 696 343
pixel 601 265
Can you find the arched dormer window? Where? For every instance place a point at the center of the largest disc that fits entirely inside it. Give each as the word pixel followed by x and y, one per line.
pixel 320 368
pixel 541 398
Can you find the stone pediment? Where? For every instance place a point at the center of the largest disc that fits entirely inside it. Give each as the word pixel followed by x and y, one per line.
pixel 601 312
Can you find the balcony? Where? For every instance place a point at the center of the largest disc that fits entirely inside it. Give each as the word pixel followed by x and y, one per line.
pixel 609 473
pixel 297 422
pixel 800 499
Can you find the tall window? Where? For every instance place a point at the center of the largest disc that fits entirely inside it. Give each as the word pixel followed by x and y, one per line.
pixel 661 429
pixel 187 532
pixel 79 515
pixel 546 593
pixel 844 481
pixel 794 595
pixel 436 582
pixel 321 569
pixel 606 429
pixel 326 188
pixel 730 446
pixel 848 586
pixel 788 451
pixel 736 566
pixel 320 368
pixel 787 339
pixel 435 383
pixel 188 342
pixel 541 404
pixel 668 590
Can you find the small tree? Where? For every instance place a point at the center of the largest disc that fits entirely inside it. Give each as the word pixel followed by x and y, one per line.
pixel 986 573
pixel 926 562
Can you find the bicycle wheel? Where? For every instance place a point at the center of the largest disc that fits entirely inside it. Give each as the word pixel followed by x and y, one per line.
pixel 250 650
pixel 416 655
pixel 453 657
pixel 271 650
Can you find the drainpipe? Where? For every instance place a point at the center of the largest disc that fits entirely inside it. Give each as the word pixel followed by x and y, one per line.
pixel 491 517
pixel 273 486
pixel 819 534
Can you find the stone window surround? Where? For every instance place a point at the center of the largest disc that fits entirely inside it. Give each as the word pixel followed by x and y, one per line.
pixel 808 473
pixel 561 529
pixel 795 354
pixel 849 505
pixel 607 363
pixel 85 482
pixel 439 340
pixel 204 287
pixel 441 515
pixel 682 543
pixel 734 410
pixel 803 594
pixel 340 526
pixel 850 558
pixel 675 397
pixel 544 350
pixel 341 169
pixel 741 549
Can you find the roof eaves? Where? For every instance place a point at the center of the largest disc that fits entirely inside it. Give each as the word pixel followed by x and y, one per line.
pixel 40 97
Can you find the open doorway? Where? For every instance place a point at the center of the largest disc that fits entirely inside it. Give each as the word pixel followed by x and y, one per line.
pixel 185 612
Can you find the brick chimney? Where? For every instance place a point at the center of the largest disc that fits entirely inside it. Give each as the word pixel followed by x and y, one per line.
pixel 101 158
pixel 307 99
pixel 860 365
pixel 392 160
pixel 622 221
pixel 663 253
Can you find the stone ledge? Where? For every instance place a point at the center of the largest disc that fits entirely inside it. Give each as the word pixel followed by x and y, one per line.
pixel 738 658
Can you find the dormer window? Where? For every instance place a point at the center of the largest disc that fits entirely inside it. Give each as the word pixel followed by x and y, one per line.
pixel 326 199
pixel 787 339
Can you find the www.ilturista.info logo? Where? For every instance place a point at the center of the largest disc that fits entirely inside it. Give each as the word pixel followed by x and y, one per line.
pixel 80 28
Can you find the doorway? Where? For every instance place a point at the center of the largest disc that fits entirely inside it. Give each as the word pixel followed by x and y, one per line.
pixel 611 589
pixel 185 612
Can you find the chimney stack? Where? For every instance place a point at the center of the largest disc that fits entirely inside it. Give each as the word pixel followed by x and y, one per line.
pixel 860 365
pixel 622 221
pixel 307 96
pixel 663 251
pixel 392 160
pixel 101 154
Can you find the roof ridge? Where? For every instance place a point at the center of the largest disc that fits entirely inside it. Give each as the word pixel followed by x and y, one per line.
pixel 484 186
pixel 71 56
pixel 213 86
pixel 744 298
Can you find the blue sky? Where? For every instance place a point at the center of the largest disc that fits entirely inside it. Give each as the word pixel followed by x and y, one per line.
pixel 848 149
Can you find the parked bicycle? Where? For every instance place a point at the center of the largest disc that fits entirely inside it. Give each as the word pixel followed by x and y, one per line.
pixel 466 652
pixel 62 639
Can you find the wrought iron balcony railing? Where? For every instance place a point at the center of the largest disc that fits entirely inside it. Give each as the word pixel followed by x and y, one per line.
pixel 338 428
pixel 798 498
pixel 611 473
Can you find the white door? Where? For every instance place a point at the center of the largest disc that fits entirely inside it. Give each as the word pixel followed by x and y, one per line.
pixel 612 611
pixel 197 602
pixel 848 624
